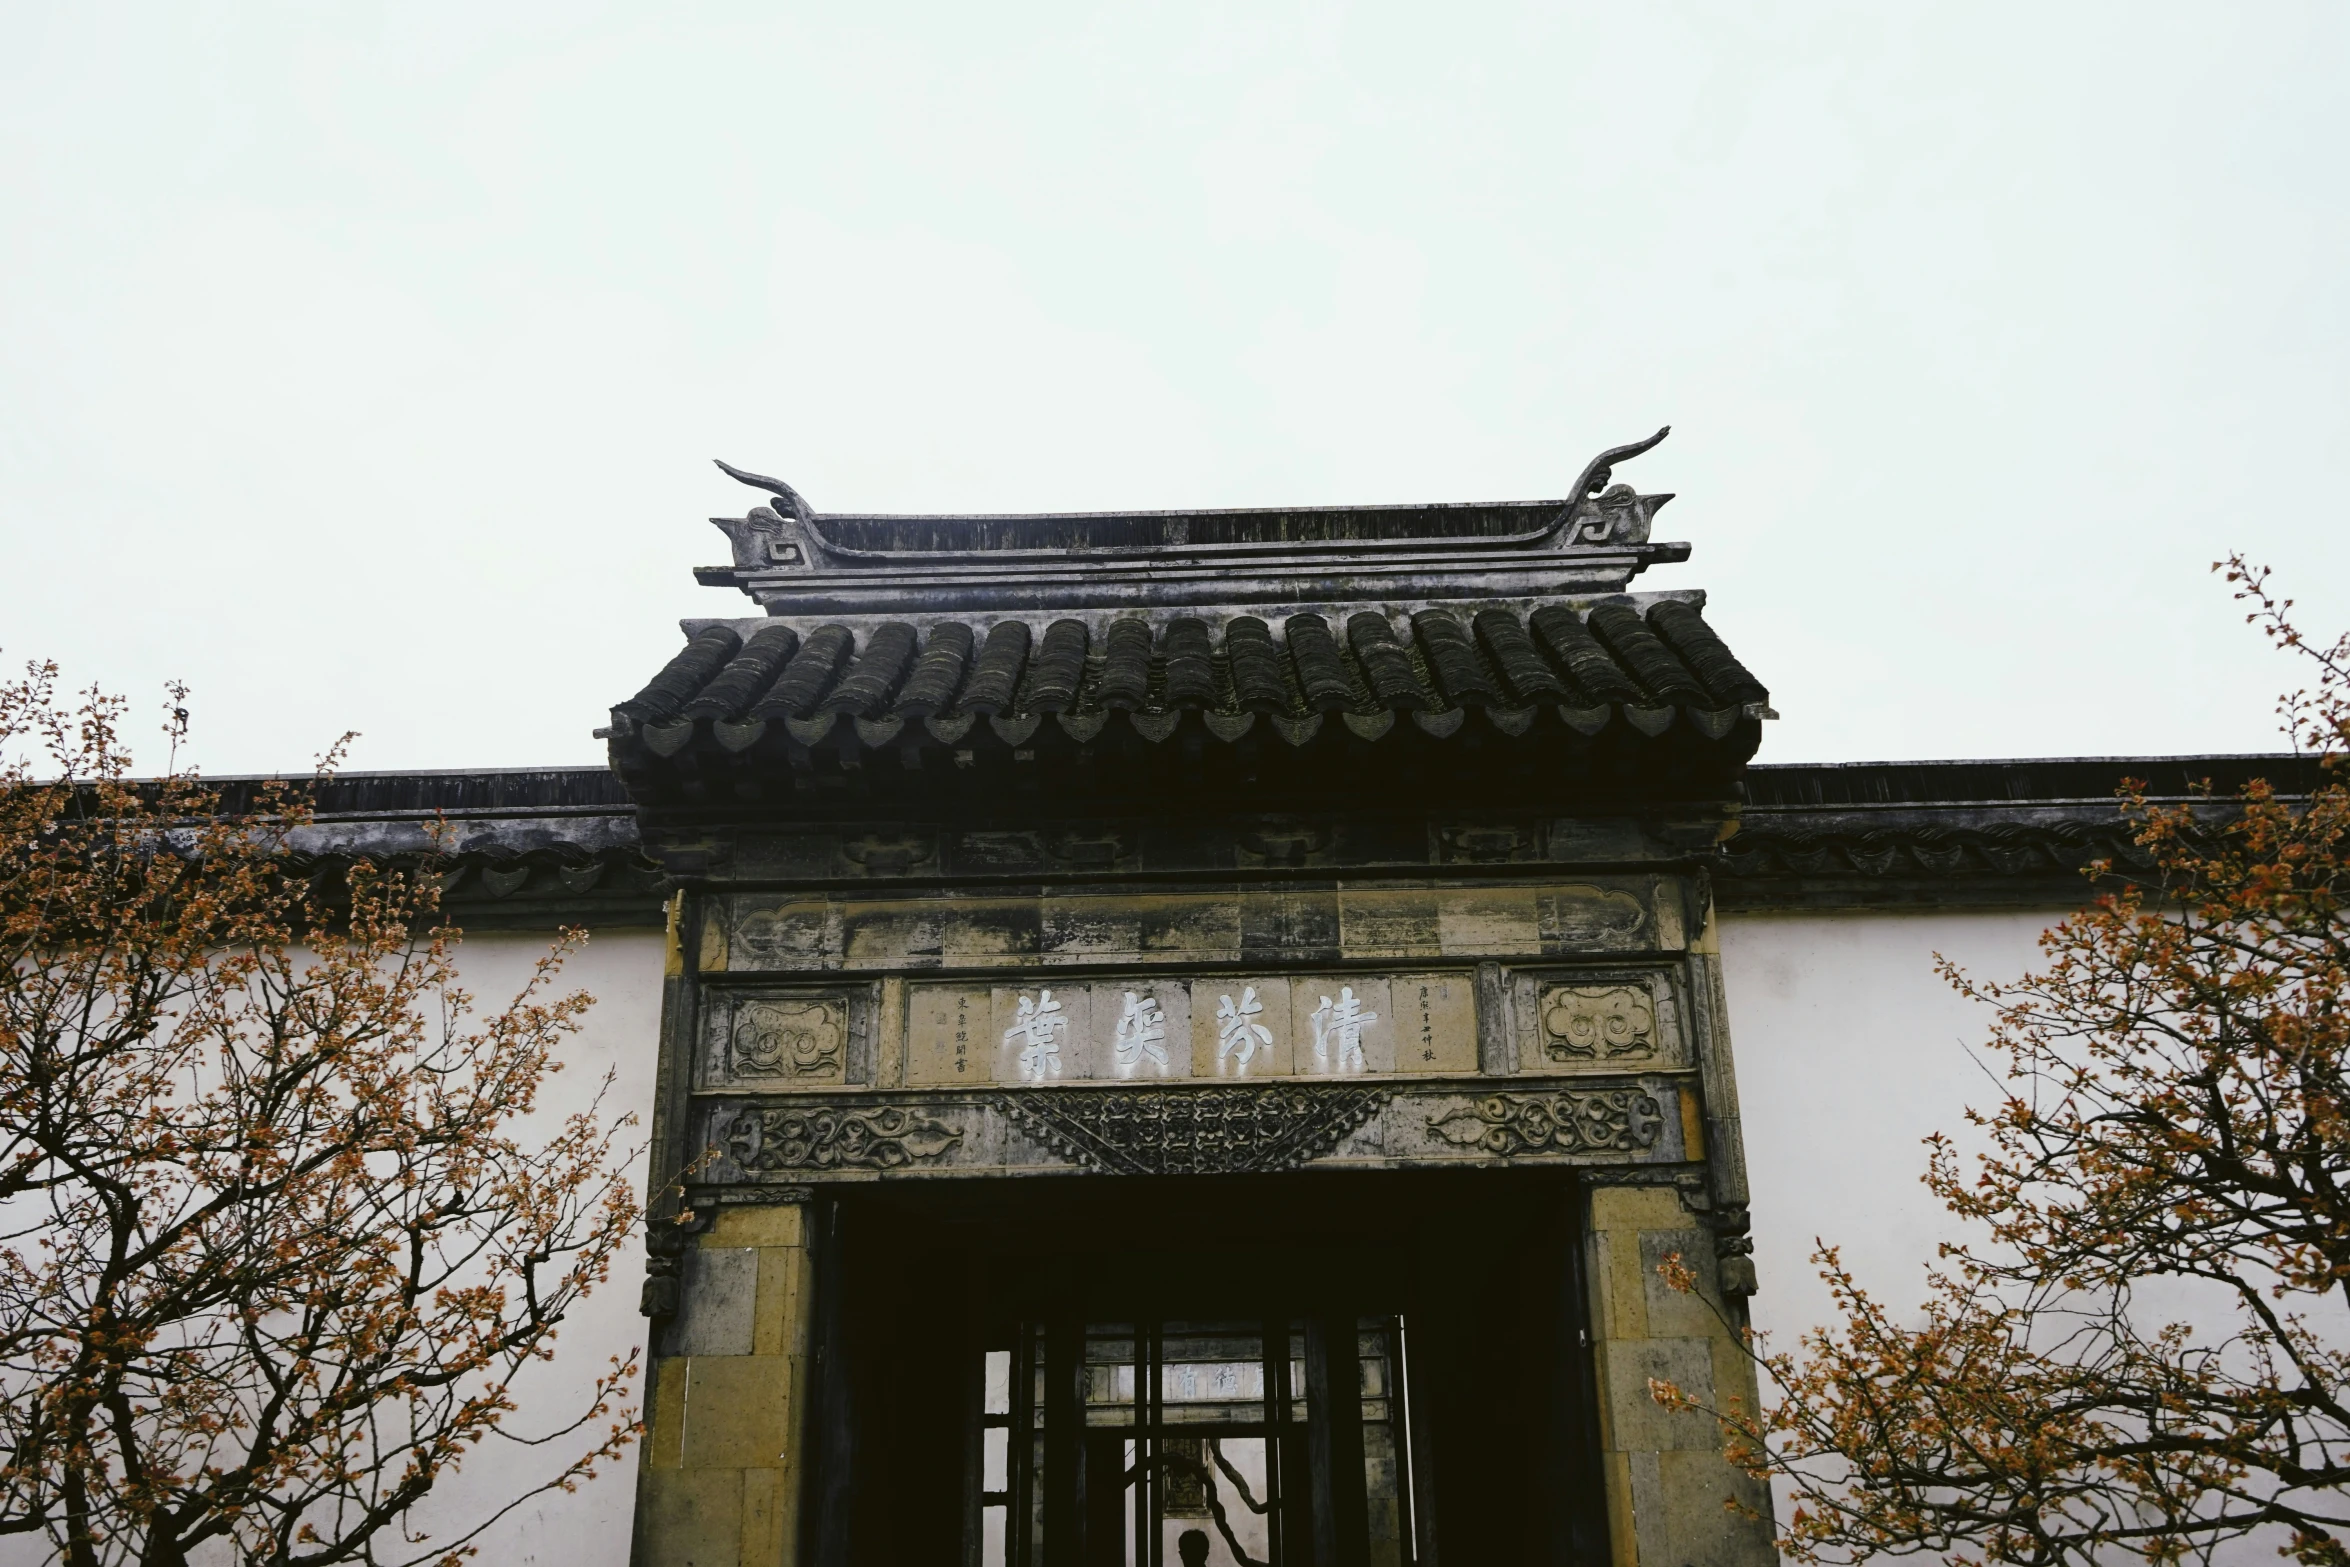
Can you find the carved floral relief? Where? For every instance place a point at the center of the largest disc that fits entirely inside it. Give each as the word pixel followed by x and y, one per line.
pixel 1510 1126
pixel 835 1137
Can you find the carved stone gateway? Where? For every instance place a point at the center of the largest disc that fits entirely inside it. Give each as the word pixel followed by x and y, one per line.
pixel 1086 926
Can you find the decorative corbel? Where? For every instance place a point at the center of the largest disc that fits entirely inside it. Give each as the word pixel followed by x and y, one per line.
pixel 1733 1246
pixel 1734 1254
pixel 667 1240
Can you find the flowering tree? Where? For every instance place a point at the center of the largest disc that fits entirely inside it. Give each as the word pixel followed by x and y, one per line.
pixel 2174 1139
pixel 273 1242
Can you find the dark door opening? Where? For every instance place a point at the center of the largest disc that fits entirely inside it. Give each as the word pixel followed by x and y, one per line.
pixel 1322 1370
pixel 1198 1444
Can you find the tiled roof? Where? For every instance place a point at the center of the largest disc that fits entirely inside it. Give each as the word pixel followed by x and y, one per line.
pixel 1636 667
pixel 1350 653
pixel 2009 832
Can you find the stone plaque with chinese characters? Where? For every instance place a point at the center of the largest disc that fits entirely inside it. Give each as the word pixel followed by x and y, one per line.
pixel 1235 1029
pixel 950 1036
pixel 1436 1022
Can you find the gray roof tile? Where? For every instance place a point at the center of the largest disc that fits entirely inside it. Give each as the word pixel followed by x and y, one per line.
pixel 1644 658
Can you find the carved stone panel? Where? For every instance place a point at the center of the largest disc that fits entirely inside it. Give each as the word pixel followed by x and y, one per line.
pixel 1041 1033
pixel 803 1037
pixel 1200 1131
pixel 1191 1128
pixel 1517 1126
pixel 1241 1028
pixel 1285 928
pixel 769 1040
pixel 1244 1027
pixel 1342 1026
pixel 1587 917
pixel 802 933
pixel 1599 1023
pixel 950 1036
pixel 1598 1020
pixel 1142 1030
pixel 1435 1023
pixel 766 1140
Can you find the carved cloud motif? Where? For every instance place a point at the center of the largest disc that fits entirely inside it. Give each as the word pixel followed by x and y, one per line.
pixel 1599 1023
pixel 788 1039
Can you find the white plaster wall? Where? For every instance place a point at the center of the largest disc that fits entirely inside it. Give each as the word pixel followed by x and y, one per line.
pixel 1850 1050
pixel 589 1527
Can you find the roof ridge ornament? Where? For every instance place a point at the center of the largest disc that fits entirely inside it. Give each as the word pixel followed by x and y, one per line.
pixel 1596 472
pixel 795 503
pixel 796 560
pixel 1598 513
pixel 768 539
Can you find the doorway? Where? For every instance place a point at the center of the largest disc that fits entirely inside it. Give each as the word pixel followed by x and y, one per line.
pixel 1312 1370
pixel 1199 1444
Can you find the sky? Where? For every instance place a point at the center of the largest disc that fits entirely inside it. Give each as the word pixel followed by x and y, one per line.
pixel 362 365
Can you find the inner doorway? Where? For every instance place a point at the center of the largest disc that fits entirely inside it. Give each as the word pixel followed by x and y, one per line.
pixel 1199 1444
pixel 1310 1370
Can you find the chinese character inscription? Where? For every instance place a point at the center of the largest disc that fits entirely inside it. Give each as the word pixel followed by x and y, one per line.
pixel 1242 1027
pixel 1037 1031
pixel 1141 1035
pixel 1238 1033
pixel 1338 1032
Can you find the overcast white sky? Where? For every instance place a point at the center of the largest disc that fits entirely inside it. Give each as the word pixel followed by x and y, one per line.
pixel 362 364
